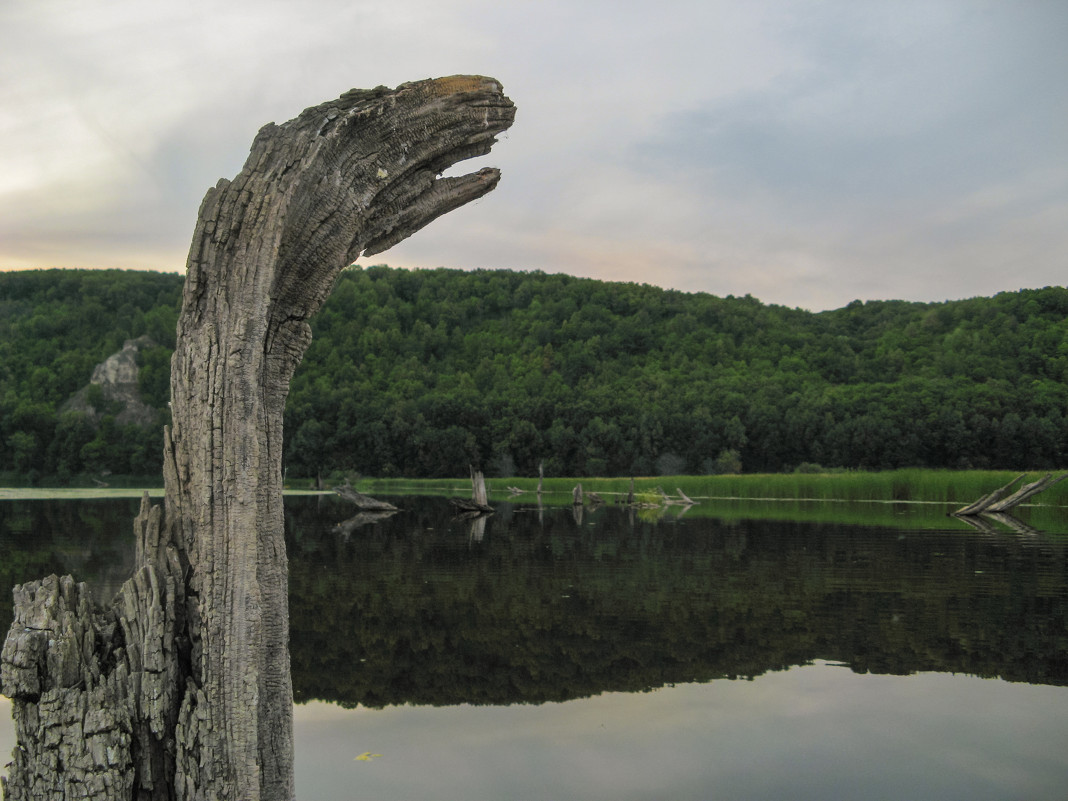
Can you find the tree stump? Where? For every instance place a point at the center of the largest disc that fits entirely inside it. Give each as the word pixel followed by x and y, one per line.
pixel 182 689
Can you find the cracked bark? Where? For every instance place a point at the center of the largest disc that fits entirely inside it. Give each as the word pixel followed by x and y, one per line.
pixel 182 689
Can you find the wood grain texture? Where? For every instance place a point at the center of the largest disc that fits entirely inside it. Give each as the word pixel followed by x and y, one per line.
pixel 204 624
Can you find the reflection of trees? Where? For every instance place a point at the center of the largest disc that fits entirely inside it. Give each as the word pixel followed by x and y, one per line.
pixel 415 612
pixel 411 609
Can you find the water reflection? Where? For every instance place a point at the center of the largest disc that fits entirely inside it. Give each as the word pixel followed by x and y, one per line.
pixel 814 732
pixel 539 604
pixel 541 607
pixel 437 642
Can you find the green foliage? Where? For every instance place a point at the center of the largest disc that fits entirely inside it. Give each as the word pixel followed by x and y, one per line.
pixel 422 373
pixel 55 327
pixel 729 461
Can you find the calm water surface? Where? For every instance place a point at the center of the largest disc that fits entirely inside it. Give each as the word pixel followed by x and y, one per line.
pixel 546 655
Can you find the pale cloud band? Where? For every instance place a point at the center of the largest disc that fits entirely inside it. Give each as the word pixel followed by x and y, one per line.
pixel 807 153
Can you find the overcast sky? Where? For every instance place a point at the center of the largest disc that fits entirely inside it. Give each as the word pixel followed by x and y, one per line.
pixel 807 153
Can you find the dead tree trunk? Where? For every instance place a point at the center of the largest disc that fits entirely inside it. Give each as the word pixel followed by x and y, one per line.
pixel 996 502
pixel 978 506
pixel 479 497
pixel 364 502
pixel 187 680
pixel 685 498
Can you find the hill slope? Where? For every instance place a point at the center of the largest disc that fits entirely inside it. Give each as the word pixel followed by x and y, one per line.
pixel 424 372
pixel 421 372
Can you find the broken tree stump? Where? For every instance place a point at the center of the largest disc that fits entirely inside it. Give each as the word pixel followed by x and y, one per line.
pixel 202 663
pixel 479 497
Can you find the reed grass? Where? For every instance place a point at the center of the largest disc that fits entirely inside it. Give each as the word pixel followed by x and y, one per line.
pixel 911 485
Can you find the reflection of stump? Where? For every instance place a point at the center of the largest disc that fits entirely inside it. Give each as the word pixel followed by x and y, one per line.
pixel 192 664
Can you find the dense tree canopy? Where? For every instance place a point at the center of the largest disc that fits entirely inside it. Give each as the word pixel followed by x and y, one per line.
pixel 421 373
pixel 55 327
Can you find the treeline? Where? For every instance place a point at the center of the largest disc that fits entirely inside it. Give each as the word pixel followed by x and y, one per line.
pixel 420 373
pixel 55 327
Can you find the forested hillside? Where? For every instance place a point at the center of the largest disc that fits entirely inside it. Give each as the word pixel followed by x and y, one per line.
pixel 55 327
pixel 421 373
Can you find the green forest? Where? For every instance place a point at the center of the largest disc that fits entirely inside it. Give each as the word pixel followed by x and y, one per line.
pixel 423 372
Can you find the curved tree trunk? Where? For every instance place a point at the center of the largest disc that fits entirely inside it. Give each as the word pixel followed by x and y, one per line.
pixel 193 661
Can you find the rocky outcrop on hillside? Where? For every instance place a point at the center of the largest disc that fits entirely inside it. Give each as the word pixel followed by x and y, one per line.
pixel 113 388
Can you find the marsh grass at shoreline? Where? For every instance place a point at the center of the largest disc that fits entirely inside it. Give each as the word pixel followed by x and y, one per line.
pixel 903 486
pixel 918 499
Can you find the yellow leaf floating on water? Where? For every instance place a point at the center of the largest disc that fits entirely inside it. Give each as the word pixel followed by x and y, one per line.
pixel 366 756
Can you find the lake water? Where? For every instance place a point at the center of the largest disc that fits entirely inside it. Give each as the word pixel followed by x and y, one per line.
pixel 541 654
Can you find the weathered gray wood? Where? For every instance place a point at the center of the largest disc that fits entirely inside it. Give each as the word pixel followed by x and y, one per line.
pixel 365 502
pixel 1025 492
pixel 996 502
pixel 478 489
pixel 981 504
pixel 479 496
pixel 95 693
pixel 685 498
pixel 667 500
pixel 196 655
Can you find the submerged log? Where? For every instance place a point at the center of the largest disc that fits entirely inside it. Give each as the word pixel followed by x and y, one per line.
pixel 1025 492
pixel 981 504
pixel 669 501
pixel 996 502
pixel 183 689
pixel 685 499
pixel 364 502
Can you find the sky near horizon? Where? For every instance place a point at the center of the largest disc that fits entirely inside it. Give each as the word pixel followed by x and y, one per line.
pixel 807 152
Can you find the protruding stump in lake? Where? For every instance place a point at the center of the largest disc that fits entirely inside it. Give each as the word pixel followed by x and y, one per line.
pixel 479 502
pixel 182 689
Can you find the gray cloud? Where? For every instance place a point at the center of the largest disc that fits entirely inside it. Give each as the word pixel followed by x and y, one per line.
pixel 805 152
